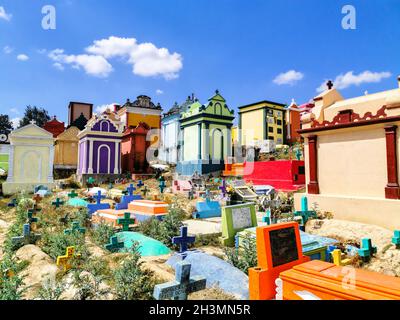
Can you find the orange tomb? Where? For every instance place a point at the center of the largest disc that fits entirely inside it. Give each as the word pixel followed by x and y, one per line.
pixel 278 249
pixel 321 280
pixel 110 216
pixel 146 209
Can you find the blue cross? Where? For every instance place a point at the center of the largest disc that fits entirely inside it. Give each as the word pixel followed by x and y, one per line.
pixel 183 240
pixel 304 213
pixel 182 286
pixel 131 189
pixel 223 187
pixel 98 197
pixel 27 237
pixel 140 184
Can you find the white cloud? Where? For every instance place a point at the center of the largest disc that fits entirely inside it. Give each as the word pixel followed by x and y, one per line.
pixel 348 79
pixel 22 57
pixel 58 66
pixel 15 122
pixel 146 59
pixel 100 109
pixel 159 92
pixel 94 65
pixel 290 77
pixel 8 50
pixel 4 15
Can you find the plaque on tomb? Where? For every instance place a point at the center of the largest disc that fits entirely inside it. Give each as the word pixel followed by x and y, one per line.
pixel 241 218
pixel 283 246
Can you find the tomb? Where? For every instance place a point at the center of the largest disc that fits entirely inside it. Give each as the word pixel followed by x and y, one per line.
pixel 242 193
pixel 127 198
pixel 138 118
pixel 351 156
pixel 235 219
pixel 206 137
pixel 148 247
pixel 147 209
pixel 171 132
pixel 283 175
pixel 278 249
pixel 66 150
pixel 31 159
pixel 111 217
pixel 318 280
pixel 99 153
pixel 207 209
pixel 182 186
pixel 55 127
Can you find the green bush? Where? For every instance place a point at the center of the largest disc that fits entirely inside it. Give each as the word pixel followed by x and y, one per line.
pixel 102 233
pixel 10 282
pixel 51 290
pixel 245 257
pixel 131 280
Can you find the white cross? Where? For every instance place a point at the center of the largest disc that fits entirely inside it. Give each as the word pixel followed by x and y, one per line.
pixel 32 121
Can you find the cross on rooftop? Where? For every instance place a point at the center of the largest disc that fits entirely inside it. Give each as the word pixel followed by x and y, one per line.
pixel 183 240
pixel 32 121
pixel 182 286
pixel 126 221
pixel 58 203
pixel 329 84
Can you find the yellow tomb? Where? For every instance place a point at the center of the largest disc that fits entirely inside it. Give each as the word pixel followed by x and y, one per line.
pixel 66 149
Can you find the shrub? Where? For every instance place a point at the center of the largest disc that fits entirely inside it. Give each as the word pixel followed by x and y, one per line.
pixel 10 282
pixel 51 290
pixel 102 234
pixel 131 281
pixel 245 257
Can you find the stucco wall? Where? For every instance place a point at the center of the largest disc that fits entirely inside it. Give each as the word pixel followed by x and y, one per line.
pixel 252 126
pixel 191 143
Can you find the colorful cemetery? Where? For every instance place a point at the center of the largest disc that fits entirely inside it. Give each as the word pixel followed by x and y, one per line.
pixel 99 152
pixel 206 134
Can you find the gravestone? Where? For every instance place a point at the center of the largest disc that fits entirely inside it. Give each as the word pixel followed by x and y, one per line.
pixel 72 194
pixel 278 249
pixel 182 286
pixel 338 258
pixel 367 250
pixel 183 240
pixel 93 207
pixel 114 244
pixel 396 239
pixel 304 213
pixel 26 238
pixel 127 198
pixel 31 219
pixel 12 204
pixel 126 221
pixel 140 184
pixel 75 228
pixel 207 209
pixel 235 219
pixel 65 261
pixel 57 203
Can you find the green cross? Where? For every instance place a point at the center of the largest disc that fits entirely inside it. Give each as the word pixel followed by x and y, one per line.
pixel 58 203
pixel 73 194
pixel 126 221
pixel 31 219
pixel 114 244
pixel 145 190
pixel 75 228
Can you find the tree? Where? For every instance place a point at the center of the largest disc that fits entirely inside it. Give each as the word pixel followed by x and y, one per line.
pixel 6 125
pixel 40 115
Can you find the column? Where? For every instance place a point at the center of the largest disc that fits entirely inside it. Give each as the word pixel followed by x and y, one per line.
pixel 205 141
pixel 229 142
pixel 51 163
pixel 116 158
pixel 10 177
pixel 200 146
pixel 313 187
pixel 90 170
pixel 392 188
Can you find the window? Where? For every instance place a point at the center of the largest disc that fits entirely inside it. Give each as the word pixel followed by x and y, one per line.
pixel 302 170
pixel 279 122
pixel 270 138
pixel 271 129
pixel 279 131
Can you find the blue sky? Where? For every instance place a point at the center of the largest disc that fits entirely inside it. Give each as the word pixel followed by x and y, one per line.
pixel 239 47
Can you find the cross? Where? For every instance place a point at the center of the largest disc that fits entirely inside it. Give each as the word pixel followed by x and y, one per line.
pixel 126 221
pixel 183 240
pixel 223 188
pixel 32 121
pixel 114 244
pixel 298 154
pixel 267 217
pixel 37 198
pixel 31 219
pixel 27 237
pixel 145 191
pixel 130 189
pixel 58 203
pixel 65 219
pixel 329 84
pixel 305 213
pixel 91 180
pixel 162 185
pixel 75 228
pixel 73 194
pixel 191 194
pixel 12 203
pixel 182 286
pixel 98 197
pixel 208 195
pixel 65 260
pixel 140 184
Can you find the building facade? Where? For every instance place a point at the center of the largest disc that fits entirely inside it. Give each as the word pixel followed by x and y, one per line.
pixel 54 126
pixel 206 137
pixel 352 157
pixel 79 114
pixel 66 149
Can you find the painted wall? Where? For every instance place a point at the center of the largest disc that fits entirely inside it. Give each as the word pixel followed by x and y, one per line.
pixel 191 143
pixel 153 121
pixel 170 137
pixel 219 141
pixel 252 126
pixel 66 148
